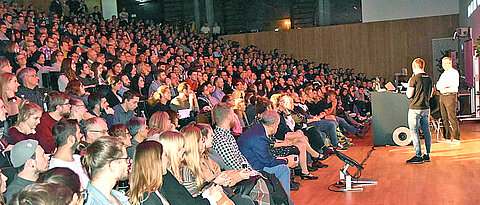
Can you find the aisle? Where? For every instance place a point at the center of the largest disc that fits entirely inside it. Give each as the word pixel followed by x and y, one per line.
pixel 450 178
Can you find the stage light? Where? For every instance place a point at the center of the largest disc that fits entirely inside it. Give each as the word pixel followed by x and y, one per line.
pixel 287 23
pixel 276 29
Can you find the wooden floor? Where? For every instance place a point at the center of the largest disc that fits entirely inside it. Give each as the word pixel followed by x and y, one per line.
pixel 452 177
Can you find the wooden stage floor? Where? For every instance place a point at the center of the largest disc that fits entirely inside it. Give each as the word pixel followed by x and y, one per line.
pixel 452 176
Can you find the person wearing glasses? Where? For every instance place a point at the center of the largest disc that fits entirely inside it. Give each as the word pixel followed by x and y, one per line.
pixel 106 162
pixel 28 89
pixel 94 128
pixel 78 111
pixel 58 108
pixel 67 138
pixel 56 61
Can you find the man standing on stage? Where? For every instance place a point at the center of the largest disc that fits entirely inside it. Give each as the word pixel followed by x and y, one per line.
pixel 419 91
pixel 448 87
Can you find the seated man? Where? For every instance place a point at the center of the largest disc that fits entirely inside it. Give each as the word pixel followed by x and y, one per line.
pixel 94 128
pixel 58 109
pixel 254 145
pixel 223 141
pixel 28 90
pixel 106 162
pixel 125 111
pixel 30 160
pixel 67 138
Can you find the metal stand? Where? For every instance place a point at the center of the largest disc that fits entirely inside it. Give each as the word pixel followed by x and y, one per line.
pixel 352 183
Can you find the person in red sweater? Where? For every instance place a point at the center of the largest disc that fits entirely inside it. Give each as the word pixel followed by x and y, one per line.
pixel 58 109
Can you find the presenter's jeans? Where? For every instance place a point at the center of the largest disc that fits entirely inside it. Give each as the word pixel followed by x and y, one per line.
pixel 282 172
pixel 418 119
pixel 448 109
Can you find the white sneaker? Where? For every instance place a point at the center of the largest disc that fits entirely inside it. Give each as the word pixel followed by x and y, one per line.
pixel 455 142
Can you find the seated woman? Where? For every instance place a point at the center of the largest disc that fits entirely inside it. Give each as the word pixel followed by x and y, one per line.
pixel 161 184
pixel 97 73
pixel 68 69
pixel 194 176
pixel 241 117
pixel 8 88
pixel 76 89
pixel 160 101
pixel 27 121
pixel 212 164
pixel 138 84
pixel 286 136
pixel 112 96
pixel 160 122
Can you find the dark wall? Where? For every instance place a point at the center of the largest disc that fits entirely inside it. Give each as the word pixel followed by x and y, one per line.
pixel 244 16
pixel 143 9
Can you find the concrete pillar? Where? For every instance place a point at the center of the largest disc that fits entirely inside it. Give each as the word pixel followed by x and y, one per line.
pixel 324 12
pixel 210 14
pixel 196 10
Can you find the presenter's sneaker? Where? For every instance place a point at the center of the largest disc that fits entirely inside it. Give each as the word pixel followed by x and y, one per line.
pixel 415 160
pixel 455 142
pixel 426 158
pixel 443 140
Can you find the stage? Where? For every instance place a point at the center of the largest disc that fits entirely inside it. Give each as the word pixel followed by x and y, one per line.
pixel 450 178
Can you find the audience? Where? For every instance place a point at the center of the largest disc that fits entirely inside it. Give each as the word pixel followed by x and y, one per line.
pixel 120 72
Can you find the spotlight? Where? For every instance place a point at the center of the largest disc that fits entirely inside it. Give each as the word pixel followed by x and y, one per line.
pixel 276 29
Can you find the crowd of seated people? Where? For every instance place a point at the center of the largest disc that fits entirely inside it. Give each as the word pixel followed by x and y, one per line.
pixel 132 111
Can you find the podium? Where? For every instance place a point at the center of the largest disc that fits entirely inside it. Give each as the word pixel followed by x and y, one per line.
pixel 390 111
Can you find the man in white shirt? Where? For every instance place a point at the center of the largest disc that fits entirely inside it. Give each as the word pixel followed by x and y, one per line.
pixel 448 87
pixel 67 136
pixel 205 29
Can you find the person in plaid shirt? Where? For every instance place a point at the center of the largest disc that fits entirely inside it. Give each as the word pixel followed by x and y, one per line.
pixel 223 141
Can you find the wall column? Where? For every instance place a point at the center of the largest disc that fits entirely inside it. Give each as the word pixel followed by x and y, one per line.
pixel 324 12
pixel 196 10
pixel 209 12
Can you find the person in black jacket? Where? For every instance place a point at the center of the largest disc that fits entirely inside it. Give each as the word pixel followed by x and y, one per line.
pixel 56 7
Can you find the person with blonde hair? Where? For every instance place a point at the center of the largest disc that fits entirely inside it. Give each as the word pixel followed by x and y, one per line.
pixel 27 120
pixel 197 168
pixel 5 66
pixel 173 147
pixel 160 100
pixel 8 88
pixel 160 122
